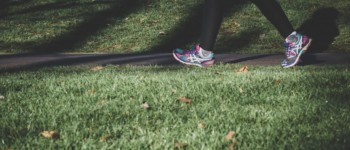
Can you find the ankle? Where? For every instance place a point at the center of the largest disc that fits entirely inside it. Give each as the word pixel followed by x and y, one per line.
pixel 204 53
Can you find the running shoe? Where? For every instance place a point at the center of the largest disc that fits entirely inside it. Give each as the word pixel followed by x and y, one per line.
pixel 192 57
pixel 296 45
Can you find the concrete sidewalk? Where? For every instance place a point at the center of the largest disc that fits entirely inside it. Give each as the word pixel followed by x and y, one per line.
pixel 11 62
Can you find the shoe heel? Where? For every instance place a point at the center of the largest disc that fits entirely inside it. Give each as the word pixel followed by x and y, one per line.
pixel 208 63
pixel 307 45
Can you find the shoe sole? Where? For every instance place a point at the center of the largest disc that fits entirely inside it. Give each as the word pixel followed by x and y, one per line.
pixel 300 53
pixel 187 63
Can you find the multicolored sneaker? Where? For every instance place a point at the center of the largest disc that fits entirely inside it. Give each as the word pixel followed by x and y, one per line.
pixel 192 57
pixel 296 45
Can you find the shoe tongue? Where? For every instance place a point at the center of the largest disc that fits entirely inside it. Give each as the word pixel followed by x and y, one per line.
pixel 292 38
pixel 205 53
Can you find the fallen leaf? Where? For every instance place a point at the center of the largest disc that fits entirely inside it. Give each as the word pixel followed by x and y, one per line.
pixel 90 129
pixel 102 102
pixel 240 90
pixel 50 134
pixel 243 69
pixel 145 105
pixel 230 135
pixel 220 79
pixel 185 100
pixel 218 72
pixel 237 24
pixel 92 91
pixel 262 36
pixel 277 82
pixel 104 138
pixel 201 125
pixel 231 145
pixel 179 145
pixel 173 91
pixel 116 46
pixel 97 68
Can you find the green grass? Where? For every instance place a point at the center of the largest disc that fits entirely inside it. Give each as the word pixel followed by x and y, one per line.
pixel 121 26
pixel 268 107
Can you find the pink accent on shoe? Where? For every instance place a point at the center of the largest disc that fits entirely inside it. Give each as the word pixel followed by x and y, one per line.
pixel 208 63
pixel 306 42
pixel 177 55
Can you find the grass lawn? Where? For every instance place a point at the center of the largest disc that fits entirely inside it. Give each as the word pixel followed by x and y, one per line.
pixel 124 26
pixel 106 108
pixel 158 107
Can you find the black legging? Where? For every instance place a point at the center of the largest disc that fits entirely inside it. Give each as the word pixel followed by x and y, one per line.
pixel 212 18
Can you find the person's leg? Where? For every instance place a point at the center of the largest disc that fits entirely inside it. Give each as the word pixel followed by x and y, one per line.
pixel 272 10
pixel 212 18
pixel 295 43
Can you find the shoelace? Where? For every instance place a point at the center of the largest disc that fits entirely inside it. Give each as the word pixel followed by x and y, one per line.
pixel 192 51
pixel 287 47
pixel 294 49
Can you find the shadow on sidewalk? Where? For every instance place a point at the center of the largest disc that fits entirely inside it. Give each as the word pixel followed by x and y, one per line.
pixel 25 62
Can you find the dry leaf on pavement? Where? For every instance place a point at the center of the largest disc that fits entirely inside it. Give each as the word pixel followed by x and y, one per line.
pixel 50 134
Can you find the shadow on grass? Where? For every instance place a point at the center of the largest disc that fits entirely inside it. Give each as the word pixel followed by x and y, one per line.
pixel 232 43
pixel 4 4
pixel 322 27
pixel 188 32
pixel 183 34
pixel 3 7
pixel 91 26
pixel 55 6
pixel 331 103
